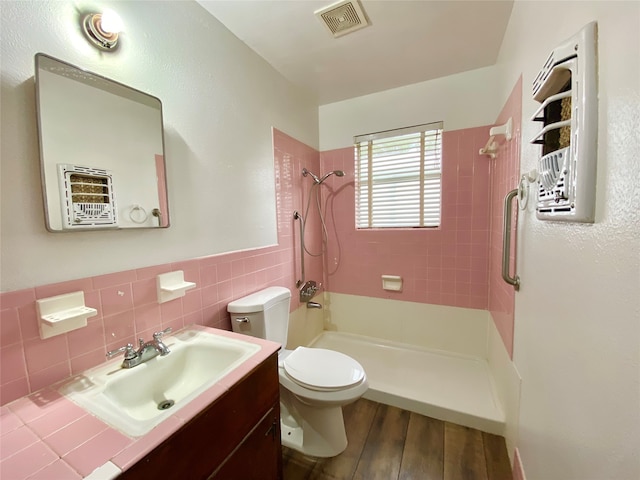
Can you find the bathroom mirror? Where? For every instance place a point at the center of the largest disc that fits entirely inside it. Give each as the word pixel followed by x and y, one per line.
pixel 101 151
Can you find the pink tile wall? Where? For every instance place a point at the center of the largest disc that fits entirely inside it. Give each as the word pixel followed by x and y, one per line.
pixel 518 470
pixel 446 265
pixel 127 303
pixel 291 157
pixel 505 175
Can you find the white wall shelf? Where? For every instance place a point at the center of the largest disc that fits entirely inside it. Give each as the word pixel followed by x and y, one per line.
pixel 62 313
pixel 172 285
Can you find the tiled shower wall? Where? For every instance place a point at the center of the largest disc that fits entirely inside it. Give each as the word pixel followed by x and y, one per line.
pixel 444 266
pixel 505 171
pixel 127 302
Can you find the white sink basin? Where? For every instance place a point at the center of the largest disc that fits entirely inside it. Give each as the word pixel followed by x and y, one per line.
pixel 132 400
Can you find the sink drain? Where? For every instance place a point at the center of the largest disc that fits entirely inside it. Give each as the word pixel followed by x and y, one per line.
pixel 165 404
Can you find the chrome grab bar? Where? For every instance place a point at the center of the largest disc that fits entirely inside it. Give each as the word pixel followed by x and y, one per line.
pixel 298 216
pixel 506 240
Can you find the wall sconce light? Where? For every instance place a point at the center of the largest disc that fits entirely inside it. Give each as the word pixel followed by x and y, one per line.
pixel 102 29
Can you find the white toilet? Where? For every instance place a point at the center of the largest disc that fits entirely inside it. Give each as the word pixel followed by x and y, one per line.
pixel 314 383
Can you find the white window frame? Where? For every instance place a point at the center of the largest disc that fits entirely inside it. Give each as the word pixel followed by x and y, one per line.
pixel 402 189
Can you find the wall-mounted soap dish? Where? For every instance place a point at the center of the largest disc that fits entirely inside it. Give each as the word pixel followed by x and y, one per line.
pixel 392 283
pixel 62 313
pixel 172 285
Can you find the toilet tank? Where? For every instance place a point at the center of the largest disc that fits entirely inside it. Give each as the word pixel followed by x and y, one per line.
pixel 263 314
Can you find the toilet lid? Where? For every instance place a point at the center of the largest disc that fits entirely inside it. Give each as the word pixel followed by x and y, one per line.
pixel 319 368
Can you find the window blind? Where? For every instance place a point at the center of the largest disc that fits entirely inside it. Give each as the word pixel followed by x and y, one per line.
pixel 398 177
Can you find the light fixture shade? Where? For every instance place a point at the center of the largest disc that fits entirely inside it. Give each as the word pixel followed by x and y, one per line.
pixel 111 22
pixel 102 29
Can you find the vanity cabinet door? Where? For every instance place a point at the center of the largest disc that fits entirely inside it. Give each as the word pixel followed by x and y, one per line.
pixel 209 440
pixel 259 456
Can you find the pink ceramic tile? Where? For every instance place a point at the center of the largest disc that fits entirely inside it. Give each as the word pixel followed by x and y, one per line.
pixel 86 339
pixel 208 275
pixel 75 434
pixel 9 421
pixel 9 327
pixel 102 282
pixel 152 272
pixel 41 354
pixel 518 470
pixel 17 299
pixel 13 364
pixel 171 310
pixel 193 318
pixel 138 449
pixel 28 321
pixel 119 329
pixel 147 317
pixel 506 174
pixel 57 470
pixel 27 462
pixel 64 415
pixel 116 299
pixel 83 284
pixel 210 316
pixel 240 286
pixel 144 292
pixel 237 268
pixel 175 324
pixel 224 270
pixel 50 375
pixel 187 265
pixel 14 390
pixel 94 453
pixel 193 274
pixel 88 360
pixel 210 260
pixel 92 299
pixel 192 301
pixel 37 404
pixel 16 440
pixel 212 293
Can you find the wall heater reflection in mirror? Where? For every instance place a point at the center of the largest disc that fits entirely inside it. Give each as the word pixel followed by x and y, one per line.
pixel 87 197
pixel 566 87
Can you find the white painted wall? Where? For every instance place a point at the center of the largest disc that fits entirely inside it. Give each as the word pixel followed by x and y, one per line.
pixel 577 321
pixel 220 101
pixel 464 100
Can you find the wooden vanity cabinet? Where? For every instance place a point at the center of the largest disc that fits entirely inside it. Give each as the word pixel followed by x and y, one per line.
pixel 237 437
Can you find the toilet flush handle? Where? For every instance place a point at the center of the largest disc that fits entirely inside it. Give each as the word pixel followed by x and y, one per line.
pixel 242 319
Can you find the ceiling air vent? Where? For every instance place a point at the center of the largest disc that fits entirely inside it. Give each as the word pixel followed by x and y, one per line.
pixel 343 17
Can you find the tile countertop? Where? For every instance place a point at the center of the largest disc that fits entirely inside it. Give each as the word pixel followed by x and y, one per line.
pixel 46 436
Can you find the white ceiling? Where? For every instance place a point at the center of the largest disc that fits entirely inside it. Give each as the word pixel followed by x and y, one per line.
pixel 407 42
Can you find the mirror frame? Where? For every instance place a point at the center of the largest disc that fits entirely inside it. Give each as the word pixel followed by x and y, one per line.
pixel 163 194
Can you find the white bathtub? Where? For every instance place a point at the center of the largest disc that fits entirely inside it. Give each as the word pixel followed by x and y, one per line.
pixel 447 386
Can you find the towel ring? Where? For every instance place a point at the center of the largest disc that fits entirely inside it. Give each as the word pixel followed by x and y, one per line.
pixel 132 215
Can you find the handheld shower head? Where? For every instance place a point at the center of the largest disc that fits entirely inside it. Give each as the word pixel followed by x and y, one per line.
pixel 337 173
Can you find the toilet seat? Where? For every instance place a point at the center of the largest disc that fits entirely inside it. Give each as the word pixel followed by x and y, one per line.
pixel 322 370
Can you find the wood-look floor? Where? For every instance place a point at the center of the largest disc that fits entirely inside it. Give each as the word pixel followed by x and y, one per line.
pixel 387 443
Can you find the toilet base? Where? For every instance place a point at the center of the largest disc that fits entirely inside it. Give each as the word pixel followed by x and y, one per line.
pixel 314 431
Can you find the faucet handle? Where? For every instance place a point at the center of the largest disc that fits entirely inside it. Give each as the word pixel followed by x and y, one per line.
pixel 159 335
pixel 129 352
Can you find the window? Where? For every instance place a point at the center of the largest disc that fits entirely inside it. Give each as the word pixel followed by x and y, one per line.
pixel 398 177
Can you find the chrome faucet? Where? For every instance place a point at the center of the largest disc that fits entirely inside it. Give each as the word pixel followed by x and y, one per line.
pixel 146 352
